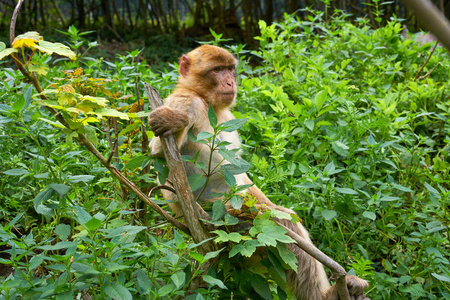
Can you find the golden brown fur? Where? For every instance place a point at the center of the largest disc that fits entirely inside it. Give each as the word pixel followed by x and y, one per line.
pixel 208 76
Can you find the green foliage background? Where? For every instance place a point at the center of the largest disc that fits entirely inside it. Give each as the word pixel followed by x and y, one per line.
pixel 344 127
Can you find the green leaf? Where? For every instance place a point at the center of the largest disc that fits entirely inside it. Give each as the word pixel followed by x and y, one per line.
pixel 237 201
pixel 329 214
pixel 109 112
pixel 340 148
pixel 234 237
pixel 347 191
pixel 246 249
pixel 93 224
pixel 444 278
pixel 81 215
pixel 80 178
pixel 63 231
pixel 41 197
pixel 320 98
pixel 212 116
pixel 91 134
pixel 61 189
pixel 6 52
pixel 16 172
pixel 271 234
pixel 166 290
pixel 138 162
pixel 19 104
pixel 196 181
pixel 309 124
pixel 178 279
pixel 58 246
pixel 219 210
pixel 287 256
pixel 261 286
pixel 214 281
pixel 125 230
pixel 232 125
pixel 370 215
pixel 230 180
pixel 58 48
pixel 118 292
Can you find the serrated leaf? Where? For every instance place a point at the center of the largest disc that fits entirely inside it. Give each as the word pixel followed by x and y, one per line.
pixel 287 256
pixel 28 39
pixel 245 249
pixel 57 48
pixel 234 237
pixel 7 52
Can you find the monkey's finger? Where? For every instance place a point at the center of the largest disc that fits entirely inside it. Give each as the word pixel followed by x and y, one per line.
pixel 169 132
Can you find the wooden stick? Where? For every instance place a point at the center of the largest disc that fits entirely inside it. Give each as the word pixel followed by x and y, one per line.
pixel 178 176
pixel 337 270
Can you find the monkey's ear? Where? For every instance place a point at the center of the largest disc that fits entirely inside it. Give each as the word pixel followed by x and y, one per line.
pixel 184 65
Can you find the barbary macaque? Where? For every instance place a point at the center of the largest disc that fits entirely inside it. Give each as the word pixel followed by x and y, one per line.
pixel 208 76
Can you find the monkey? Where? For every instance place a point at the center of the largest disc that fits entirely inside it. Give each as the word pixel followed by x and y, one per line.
pixel 208 76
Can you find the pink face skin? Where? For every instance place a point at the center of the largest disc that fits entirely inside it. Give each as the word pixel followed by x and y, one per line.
pixel 225 77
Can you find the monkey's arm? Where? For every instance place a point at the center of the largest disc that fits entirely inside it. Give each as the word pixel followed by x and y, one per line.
pixel 177 116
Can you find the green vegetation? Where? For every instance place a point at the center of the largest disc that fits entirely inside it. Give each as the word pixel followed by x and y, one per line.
pixel 347 125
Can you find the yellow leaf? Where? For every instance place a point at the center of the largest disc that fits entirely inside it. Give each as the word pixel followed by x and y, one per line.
pixel 65 99
pixel 57 48
pixel 7 52
pixel 39 69
pixel 90 120
pixel 67 88
pixel 98 100
pixel 28 39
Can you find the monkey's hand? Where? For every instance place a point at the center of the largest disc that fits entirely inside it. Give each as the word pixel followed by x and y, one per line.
pixel 356 287
pixel 165 121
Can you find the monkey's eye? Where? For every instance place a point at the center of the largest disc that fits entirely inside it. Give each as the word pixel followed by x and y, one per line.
pixel 217 69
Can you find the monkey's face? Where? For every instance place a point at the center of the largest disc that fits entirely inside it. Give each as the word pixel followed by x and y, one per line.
pixel 224 80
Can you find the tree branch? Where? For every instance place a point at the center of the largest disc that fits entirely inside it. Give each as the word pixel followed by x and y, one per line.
pixel 191 210
pixel 337 270
pixel 435 20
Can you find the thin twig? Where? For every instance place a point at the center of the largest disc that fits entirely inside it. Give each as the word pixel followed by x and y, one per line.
pixel 428 59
